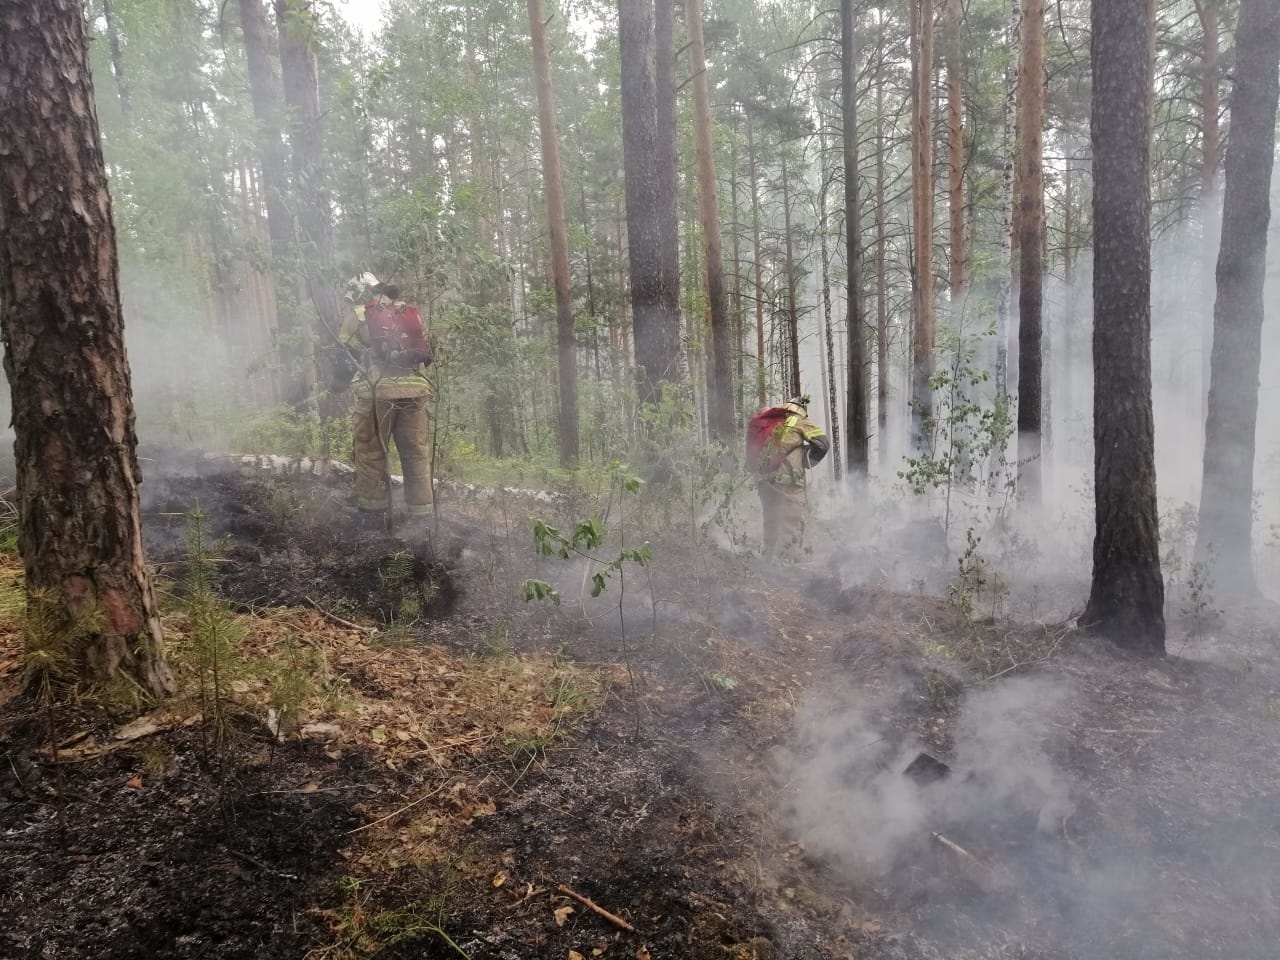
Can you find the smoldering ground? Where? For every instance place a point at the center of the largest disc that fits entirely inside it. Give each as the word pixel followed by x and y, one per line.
pixel 1110 810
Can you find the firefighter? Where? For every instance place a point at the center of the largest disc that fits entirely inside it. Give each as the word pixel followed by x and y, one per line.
pixel 392 395
pixel 782 444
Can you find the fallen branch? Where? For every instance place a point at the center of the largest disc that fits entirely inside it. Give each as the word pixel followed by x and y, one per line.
pixel 335 619
pixel 596 908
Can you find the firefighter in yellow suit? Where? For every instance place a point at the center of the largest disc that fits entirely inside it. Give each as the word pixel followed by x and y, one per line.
pixel 392 396
pixel 801 444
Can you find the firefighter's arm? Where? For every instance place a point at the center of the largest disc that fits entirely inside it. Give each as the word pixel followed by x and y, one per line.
pixel 354 332
pixel 816 445
pixel 420 349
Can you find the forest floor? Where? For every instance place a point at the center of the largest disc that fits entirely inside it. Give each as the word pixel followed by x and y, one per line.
pixel 398 757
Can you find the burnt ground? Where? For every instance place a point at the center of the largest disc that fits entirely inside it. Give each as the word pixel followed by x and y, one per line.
pixel 712 752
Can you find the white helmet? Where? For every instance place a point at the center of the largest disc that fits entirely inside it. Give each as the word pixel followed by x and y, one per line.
pixel 360 288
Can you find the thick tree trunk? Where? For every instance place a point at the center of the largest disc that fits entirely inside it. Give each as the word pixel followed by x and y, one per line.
pixel 73 418
pixel 720 382
pixel 922 201
pixel 266 95
pixel 856 414
pixel 1030 248
pixel 644 217
pixel 1225 536
pixel 668 124
pixel 1210 220
pixel 553 184
pixel 1126 602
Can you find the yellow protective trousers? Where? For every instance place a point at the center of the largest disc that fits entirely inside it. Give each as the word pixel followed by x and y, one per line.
pixel 782 507
pixel 406 421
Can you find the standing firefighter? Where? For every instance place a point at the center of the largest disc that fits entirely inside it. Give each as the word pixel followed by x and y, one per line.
pixel 392 395
pixel 782 443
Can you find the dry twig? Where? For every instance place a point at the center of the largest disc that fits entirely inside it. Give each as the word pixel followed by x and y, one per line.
pixel 596 908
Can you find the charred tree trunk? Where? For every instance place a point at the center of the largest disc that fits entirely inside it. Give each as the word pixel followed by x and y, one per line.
pixel 856 412
pixel 1126 602
pixel 566 337
pixel 720 383
pixel 266 94
pixel 668 180
pixel 922 203
pixel 1030 248
pixel 73 418
pixel 1225 535
pixel 644 217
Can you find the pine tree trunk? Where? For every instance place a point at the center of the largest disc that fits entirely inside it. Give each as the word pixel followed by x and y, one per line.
pixel 1210 221
pixel 117 62
pixel 922 201
pixel 720 381
pixel 793 313
pixel 1030 248
pixel 882 278
pixel 1225 535
pixel 829 384
pixel 1126 602
pixel 300 72
pixel 762 371
pixel 739 312
pixel 856 415
pixel 1005 268
pixel 668 179
pixel 265 92
pixel 955 156
pixel 553 184
pixel 73 418
pixel 644 215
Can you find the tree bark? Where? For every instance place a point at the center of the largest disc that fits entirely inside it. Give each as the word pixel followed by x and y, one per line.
pixel 830 385
pixel 922 201
pixel 73 417
pixel 644 218
pixel 1126 602
pixel 955 155
pixel 553 184
pixel 856 413
pixel 668 123
pixel 882 269
pixel 793 314
pixel 117 62
pixel 314 245
pixel 720 383
pixel 762 372
pixel 268 111
pixel 1225 535
pixel 1030 248
pixel 1005 268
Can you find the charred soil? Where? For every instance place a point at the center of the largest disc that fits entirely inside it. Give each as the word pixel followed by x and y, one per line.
pixel 710 753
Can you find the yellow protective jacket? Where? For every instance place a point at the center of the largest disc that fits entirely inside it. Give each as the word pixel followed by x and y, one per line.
pixel 797 437
pixel 388 381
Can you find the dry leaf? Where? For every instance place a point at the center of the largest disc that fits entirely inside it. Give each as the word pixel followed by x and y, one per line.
pixel 575 955
pixel 642 953
pixel 134 783
pixel 378 734
pixel 499 879
pixel 562 914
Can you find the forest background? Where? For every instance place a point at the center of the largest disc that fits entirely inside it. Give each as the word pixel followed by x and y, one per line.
pixel 412 150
